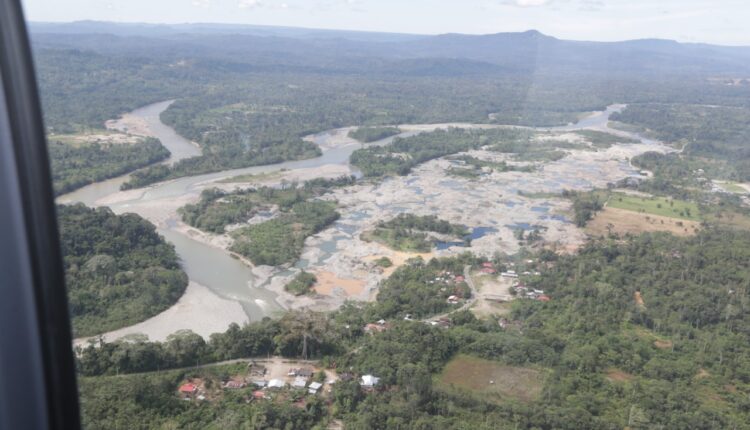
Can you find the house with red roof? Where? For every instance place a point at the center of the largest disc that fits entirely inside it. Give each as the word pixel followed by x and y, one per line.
pixel 188 388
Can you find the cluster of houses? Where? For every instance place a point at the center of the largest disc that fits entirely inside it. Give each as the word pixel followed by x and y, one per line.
pixel 448 278
pixel 298 378
pixel 383 325
pixel 525 292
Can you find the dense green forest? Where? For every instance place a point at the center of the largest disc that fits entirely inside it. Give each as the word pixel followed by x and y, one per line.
pixel 76 165
pixel 119 271
pixel 401 156
pixel 280 240
pixel 675 360
pixel 409 232
pixel 217 209
pixel 371 134
pixel 716 133
pixel 405 153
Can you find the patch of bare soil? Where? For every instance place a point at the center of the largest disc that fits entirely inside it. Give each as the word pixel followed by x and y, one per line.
pixel 331 285
pixel 622 221
pixel 663 344
pixel 617 375
pixel 493 295
pixel 639 299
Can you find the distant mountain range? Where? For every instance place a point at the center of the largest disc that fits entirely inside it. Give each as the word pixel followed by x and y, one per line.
pixel 446 54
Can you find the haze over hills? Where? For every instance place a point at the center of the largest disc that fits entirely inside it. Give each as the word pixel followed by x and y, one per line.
pixel 476 54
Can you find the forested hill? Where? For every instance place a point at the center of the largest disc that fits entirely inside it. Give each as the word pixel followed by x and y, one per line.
pixel 512 51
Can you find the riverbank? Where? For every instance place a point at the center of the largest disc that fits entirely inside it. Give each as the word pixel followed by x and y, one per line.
pixel 198 310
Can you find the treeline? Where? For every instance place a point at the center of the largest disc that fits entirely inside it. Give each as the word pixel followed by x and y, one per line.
pixel 76 165
pixel 602 139
pixel 371 134
pixel 119 270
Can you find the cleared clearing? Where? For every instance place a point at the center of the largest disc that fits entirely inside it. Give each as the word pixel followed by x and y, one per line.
pixel 661 206
pixel 493 295
pixel 617 375
pixel 494 381
pixel 329 284
pixel 622 221
pixel 104 138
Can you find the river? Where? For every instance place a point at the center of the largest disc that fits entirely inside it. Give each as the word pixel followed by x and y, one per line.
pixel 211 266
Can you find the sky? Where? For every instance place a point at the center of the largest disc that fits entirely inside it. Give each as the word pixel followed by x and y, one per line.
pixel 725 22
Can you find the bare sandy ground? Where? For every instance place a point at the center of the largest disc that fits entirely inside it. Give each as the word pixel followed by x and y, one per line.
pixel 199 310
pixel 331 285
pixel 491 290
pixel 106 138
pixel 131 124
pixel 622 221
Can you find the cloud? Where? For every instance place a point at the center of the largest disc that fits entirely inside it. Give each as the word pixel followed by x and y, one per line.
pixel 202 3
pixel 591 5
pixel 527 3
pixel 249 4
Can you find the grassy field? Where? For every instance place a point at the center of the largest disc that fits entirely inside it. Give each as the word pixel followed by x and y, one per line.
pixel 661 206
pixel 494 381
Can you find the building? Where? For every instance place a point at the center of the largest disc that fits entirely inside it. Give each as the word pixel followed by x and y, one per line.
pixel 369 381
pixel 276 383
pixel 232 384
pixel 314 387
pixel 299 382
pixel 188 388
